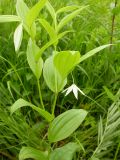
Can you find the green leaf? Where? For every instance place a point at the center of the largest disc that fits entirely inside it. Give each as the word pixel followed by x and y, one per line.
pixel 100 130
pixel 116 10
pixel 35 65
pixel 51 42
pixel 68 18
pixel 21 103
pixel 34 12
pixel 52 77
pixel 65 124
pixel 9 18
pixel 109 94
pixel 92 52
pixel 65 153
pixel 51 11
pixel 18 35
pixel 65 61
pixel 50 30
pixel 67 9
pixel 22 9
pixel 94 158
pixel 29 152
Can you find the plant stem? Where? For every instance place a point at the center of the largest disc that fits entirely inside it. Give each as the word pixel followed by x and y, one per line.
pixel 40 95
pixel 7 155
pixel 15 71
pixel 112 29
pixel 116 153
pixel 54 103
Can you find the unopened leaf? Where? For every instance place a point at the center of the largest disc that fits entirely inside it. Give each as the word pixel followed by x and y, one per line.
pixel 35 65
pixel 18 37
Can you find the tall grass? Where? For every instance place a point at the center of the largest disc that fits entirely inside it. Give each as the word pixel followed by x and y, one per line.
pixel 90 29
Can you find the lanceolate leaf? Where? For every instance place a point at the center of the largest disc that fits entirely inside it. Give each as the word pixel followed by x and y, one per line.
pixel 51 11
pixel 9 18
pixel 68 18
pixel 50 30
pixel 65 153
pixel 92 52
pixel 18 37
pixel 67 9
pixel 29 152
pixel 35 65
pixel 51 42
pixel 65 61
pixel 34 12
pixel 21 103
pixel 22 9
pixel 65 124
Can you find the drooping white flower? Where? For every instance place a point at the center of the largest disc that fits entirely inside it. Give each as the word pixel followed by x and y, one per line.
pixel 73 88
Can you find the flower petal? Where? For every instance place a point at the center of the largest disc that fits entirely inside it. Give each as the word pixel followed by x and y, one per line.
pixel 69 90
pixel 75 91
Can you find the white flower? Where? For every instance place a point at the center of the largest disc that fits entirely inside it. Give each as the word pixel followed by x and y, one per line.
pixel 73 88
pixel 112 5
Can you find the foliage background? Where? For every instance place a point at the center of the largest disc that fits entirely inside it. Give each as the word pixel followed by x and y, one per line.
pixel 91 29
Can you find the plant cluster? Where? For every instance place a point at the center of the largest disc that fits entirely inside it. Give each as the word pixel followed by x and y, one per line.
pixel 48 124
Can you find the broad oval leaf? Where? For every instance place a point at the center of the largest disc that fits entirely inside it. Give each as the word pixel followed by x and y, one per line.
pixel 35 65
pixel 65 61
pixel 65 153
pixel 29 152
pixel 69 17
pixel 22 103
pixel 34 11
pixel 65 124
pixel 18 35
pixel 9 18
pixel 52 77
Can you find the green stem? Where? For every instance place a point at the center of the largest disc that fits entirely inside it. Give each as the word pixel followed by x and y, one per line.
pixel 54 104
pixel 14 69
pixel 113 27
pixel 116 153
pixel 40 95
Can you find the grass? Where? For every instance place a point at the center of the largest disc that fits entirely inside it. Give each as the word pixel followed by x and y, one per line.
pixel 98 135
